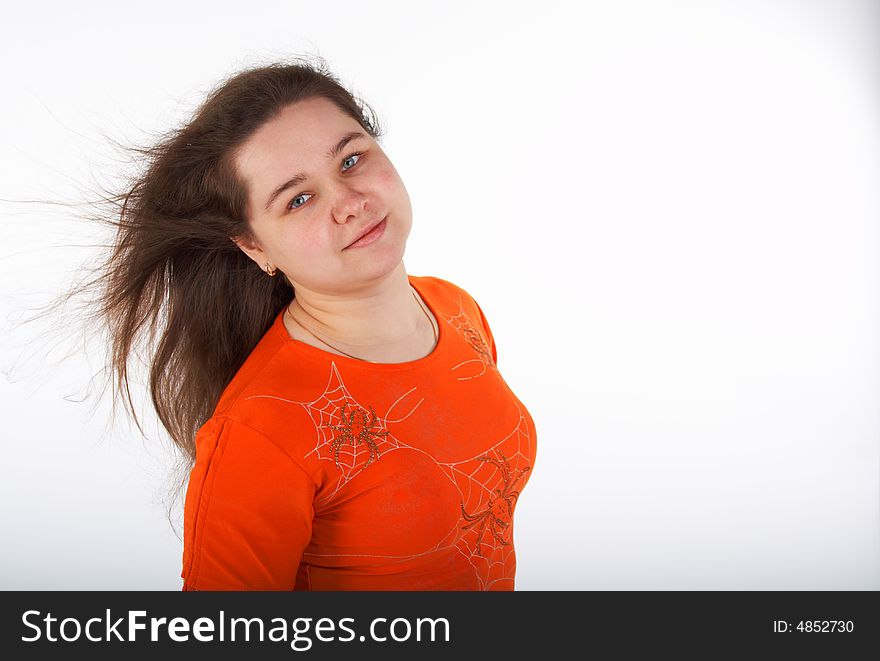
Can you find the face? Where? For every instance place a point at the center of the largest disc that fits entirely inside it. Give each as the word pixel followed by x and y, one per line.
pixel 317 181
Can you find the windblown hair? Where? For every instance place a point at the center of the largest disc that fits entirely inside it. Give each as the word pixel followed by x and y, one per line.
pixel 174 285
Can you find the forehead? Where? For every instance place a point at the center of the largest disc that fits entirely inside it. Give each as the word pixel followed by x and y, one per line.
pixel 295 140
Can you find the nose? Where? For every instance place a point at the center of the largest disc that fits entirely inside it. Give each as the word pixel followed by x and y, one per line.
pixel 349 204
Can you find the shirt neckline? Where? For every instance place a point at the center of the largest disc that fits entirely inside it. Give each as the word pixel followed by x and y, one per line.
pixel 315 352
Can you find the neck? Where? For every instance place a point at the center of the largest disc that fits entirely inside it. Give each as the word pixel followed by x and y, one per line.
pixel 383 313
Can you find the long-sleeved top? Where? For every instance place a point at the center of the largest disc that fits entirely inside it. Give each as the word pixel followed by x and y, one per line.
pixel 321 472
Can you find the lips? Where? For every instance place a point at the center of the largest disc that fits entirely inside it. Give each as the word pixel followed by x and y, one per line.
pixel 369 228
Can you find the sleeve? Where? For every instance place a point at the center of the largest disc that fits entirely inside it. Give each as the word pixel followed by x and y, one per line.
pixel 248 512
pixel 488 331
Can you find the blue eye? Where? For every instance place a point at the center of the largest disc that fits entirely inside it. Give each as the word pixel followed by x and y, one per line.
pixel 294 205
pixel 349 158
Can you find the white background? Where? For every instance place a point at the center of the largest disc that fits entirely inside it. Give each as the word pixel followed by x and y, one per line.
pixel 667 210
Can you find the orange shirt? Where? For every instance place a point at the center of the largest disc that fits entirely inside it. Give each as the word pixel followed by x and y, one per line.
pixel 322 472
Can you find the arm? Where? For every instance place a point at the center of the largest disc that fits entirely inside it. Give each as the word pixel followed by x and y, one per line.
pixel 248 513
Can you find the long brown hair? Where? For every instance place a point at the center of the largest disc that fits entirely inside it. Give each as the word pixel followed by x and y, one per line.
pixel 174 287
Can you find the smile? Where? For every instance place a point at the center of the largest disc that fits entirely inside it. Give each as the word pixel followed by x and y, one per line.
pixel 370 236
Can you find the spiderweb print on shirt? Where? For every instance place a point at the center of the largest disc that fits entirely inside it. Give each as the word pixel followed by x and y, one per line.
pixel 489 484
pixel 462 324
pixel 352 436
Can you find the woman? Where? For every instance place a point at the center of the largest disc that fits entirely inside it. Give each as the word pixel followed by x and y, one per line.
pixel 348 425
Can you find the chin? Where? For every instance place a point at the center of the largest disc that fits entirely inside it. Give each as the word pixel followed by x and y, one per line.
pixel 383 261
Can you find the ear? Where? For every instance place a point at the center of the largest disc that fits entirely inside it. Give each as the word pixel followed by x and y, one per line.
pixel 250 248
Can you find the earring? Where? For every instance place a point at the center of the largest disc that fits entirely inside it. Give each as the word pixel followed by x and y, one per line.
pixel 270 270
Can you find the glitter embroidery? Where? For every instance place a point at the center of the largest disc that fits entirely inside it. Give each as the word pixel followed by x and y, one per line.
pixel 479 365
pixel 368 434
pixel 497 515
pixel 477 342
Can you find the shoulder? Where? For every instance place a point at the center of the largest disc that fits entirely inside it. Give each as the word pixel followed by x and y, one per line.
pixel 228 441
pixel 271 385
pixel 445 290
pixel 461 308
pixel 259 365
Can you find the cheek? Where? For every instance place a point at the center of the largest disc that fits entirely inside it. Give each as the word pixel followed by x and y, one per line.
pixel 388 178
pixel 297 242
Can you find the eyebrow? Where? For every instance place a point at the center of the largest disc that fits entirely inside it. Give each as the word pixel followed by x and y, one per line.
pixel 297 179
